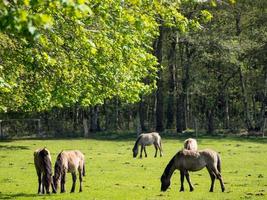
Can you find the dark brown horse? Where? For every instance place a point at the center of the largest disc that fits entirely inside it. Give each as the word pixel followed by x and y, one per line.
pixel 69 161
pixel 42 162
pixel 188 160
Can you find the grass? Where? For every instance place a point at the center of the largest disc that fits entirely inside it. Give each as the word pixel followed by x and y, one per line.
pixel 112 173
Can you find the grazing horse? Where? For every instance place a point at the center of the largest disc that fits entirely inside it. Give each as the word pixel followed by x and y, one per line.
pixel 68 161
pixel 145 139
pixel 42 162
pixel 190 144
pixel 187 160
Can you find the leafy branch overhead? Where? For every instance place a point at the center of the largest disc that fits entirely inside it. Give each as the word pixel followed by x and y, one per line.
pixel 63 52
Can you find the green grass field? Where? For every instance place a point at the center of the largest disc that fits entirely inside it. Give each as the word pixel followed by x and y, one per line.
pixel 112 173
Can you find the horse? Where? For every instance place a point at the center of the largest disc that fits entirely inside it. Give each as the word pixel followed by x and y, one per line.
pixel 190 144
pixel 188 160
pixel 69 161
pixel 145 139
pixel 42 162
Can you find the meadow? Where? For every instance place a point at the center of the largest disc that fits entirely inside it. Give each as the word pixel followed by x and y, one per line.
pixel 112 172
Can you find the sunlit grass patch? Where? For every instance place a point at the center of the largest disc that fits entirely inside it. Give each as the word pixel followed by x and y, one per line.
pixel 112 173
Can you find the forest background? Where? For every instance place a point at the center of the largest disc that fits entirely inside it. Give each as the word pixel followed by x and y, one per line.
pixel 69 68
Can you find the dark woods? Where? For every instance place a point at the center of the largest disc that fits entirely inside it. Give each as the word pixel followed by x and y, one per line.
pixel 212 80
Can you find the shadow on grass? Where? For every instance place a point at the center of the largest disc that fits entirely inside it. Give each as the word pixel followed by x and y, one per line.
pixel 18 195
pixel 176 136
pixel 10 147
pixel 131 136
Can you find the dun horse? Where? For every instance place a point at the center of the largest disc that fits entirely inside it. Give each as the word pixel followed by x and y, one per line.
pixel 190 144
pixel 42 162
pixel 145 139
pixel 69 161
pixel 186 160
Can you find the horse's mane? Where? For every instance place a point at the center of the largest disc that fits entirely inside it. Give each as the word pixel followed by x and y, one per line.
pixel 136 143
pixel 169 166
pixel 59 164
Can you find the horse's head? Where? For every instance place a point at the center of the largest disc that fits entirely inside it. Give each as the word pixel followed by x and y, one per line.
pixel 135 152
pixel 165 183
pixel 55 184
pixel 57 174
pixel 47 181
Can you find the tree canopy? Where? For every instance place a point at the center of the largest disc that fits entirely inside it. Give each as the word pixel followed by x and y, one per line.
pixel 63 52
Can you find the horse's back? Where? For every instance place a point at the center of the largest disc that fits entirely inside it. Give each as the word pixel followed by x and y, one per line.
pixel 209 153
pixel 192 160
pixel 150 138
pixel 41 156
pixel 73 159
pixel 211 156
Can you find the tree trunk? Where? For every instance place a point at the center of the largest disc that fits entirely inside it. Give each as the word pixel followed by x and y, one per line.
pixel 142 113
pixel 171 104
pixel 1 133
pixel 159 102
pixel 210 120
pixel 85 128
pixel 95 126
pixel 245 100
pixel 179 115
pixel 185 85
pixel 227 116
pixel 264 103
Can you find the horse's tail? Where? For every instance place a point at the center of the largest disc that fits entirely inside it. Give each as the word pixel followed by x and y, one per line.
pixel 160 143
pixel 219 163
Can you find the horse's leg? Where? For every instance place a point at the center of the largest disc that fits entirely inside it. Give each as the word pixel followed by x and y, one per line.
pixel 221 182
pixel 53 187
pixel 160 150
pixel 74 178
pixel 62 182
pixel 47 187
pixel 156 147
pixel 81 179
pixel 142 147
pixel 189 181
pixel 43 181
pixel 39 182
pixel 182 180
pixel 145 151
pixel 212 177
pixel 219 176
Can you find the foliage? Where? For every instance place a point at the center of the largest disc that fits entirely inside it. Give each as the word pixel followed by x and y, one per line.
pixel 69 52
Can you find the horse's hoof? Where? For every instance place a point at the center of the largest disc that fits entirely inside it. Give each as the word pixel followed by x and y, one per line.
pixel 181 190
pixel 191 189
